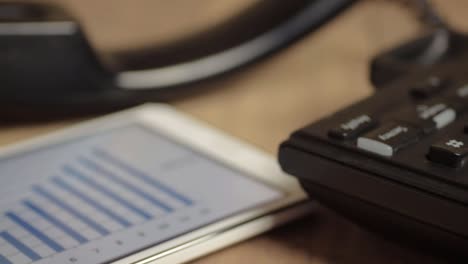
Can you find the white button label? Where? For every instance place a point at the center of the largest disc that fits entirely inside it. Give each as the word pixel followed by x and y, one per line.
pixel 393 133
pixel 454 143
pixel 426 112
pixel 355 122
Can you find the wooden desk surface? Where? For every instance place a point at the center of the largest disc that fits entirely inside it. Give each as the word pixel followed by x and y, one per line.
pixel 326 71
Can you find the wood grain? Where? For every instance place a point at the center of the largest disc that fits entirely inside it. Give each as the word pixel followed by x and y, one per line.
pixel 263 104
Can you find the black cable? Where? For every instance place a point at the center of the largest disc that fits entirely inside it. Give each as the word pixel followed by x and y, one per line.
pixel 433 22
pixel 312 16
pixel 430 17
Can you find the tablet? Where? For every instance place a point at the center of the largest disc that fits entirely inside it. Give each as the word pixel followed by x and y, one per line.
pixel 147 185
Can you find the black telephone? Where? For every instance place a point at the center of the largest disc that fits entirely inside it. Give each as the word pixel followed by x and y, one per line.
pixel 397 162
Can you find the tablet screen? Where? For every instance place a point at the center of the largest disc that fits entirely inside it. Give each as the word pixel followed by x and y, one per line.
pixel 101 197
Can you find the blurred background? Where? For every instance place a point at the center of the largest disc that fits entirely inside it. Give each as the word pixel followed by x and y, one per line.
pixel 119 24
pixel 262 104
pixel 317 75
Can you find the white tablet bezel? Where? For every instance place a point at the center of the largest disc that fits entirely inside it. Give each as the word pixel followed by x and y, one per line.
pixel 218 146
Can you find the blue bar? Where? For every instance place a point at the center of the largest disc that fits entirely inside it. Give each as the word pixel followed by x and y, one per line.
pixel 35 232
pixel 91 202
pixel 3 260
pixel 56 222
pixel 100 188
pixel 19 246
pixel 141 175
pixel 100 229
pixel 108 174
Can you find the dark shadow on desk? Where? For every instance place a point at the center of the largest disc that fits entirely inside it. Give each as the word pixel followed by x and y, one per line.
pixel 332 239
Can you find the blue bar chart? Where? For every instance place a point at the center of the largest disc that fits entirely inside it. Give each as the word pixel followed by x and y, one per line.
pixel 104 197
pixel 116 201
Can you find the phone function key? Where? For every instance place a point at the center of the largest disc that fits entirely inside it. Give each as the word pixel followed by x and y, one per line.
pixel 440 113
pixel 462 92
pixel 428 87
pixel 353 127
pixel 389 138
pixel 450 151
pixel 460 98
